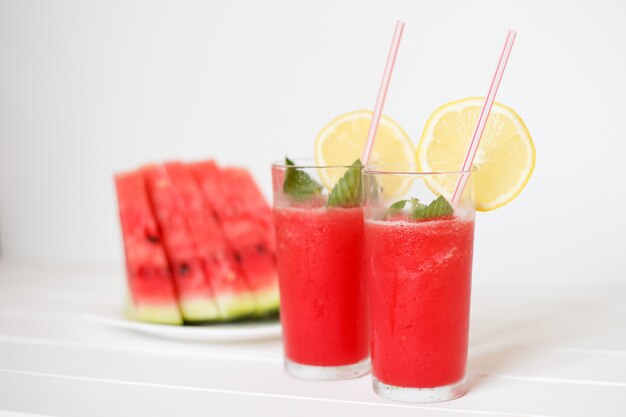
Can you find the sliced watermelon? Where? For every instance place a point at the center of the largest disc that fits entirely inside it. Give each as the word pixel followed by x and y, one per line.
pixel 152 292
pixel 246 219
pixel 232 293
pixel 196 297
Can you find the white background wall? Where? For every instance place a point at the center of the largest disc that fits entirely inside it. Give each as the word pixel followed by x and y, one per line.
pixel 89 88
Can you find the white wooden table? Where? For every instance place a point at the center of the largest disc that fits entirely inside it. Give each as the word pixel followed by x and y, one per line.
pixel 534 351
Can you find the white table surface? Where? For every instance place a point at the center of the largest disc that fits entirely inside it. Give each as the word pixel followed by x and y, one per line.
pixel 535 350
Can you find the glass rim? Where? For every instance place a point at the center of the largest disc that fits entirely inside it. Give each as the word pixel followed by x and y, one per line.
pixel 370 169
pixel 400 169
pixel 305 163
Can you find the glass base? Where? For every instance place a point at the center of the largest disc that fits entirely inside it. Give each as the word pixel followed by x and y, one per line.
pixel 419 395
pixel 327 372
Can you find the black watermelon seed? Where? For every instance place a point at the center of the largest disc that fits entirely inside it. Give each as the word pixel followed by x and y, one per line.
pixel 153 238
pixel 183 269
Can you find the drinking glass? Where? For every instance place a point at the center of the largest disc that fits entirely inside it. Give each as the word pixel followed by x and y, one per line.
pixel 418 252
pixel 320 270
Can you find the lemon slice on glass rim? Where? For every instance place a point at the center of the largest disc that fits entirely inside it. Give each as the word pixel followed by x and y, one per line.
pixel 504 161
pixel 342 140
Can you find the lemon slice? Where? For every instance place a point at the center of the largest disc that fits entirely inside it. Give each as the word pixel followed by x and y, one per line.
pixel 342 140
pixel 504 161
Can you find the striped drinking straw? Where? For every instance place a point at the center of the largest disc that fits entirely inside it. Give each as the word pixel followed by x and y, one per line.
pixel 484 115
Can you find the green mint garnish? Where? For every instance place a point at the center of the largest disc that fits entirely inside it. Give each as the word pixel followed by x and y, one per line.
pixel 348 192
pixel 398 206
pixel 298 184
pixel 437 208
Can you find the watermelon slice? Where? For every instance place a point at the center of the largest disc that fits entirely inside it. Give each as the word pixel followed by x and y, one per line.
pixel 196 297
pixel 152 292
pixel 229 284
pixel 246 219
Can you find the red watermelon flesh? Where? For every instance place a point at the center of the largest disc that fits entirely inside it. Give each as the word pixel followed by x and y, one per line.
pixel 249 218
pixel 152 293
pixel 246 219
pixel 196 297
pixel 229 284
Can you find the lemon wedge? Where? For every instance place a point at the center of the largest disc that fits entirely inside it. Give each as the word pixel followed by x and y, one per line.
pixel 504 161
pixel 342 140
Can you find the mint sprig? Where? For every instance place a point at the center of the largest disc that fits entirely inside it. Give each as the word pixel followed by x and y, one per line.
pixel 298 184
pixel 398 206
pixel 348 192
pixel 439 207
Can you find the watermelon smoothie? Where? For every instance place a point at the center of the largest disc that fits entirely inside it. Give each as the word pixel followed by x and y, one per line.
pixel 419 277
pixel 322 290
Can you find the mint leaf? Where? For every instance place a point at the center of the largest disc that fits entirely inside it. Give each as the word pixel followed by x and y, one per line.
pixel 401 204
pixel 348 192
pixel 298 184
pixel 437 208
pixel 397 206
pixel 416 205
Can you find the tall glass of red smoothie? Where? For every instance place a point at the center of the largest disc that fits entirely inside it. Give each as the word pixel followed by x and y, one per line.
pixel 319 238
pixel 418 251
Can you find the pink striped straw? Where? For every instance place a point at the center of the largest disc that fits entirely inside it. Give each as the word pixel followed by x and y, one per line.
pixel 382 92
pixel 484 114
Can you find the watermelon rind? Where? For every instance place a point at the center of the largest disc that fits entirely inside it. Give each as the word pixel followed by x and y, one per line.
pixel 152 314
pixel 237 306
pixel 268 300
pixel 199 309
pixel 233 307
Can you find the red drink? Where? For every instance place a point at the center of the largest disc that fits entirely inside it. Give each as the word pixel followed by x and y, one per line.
pixel 419 281
pixel 323 303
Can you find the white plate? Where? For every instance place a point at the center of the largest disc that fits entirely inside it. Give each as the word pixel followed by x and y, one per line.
pixel 221 332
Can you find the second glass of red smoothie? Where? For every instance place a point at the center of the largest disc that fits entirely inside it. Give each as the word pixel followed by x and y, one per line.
pixel 418 248
pixel 319 238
